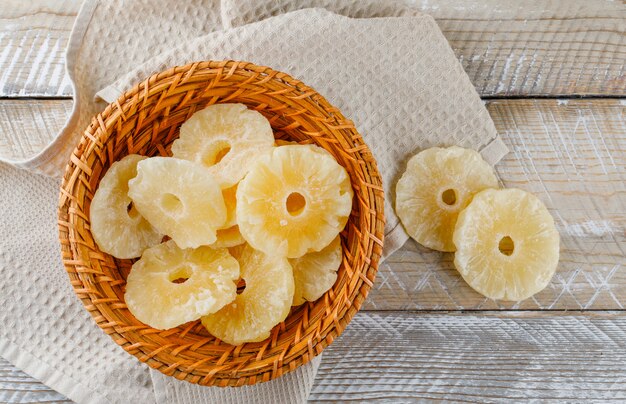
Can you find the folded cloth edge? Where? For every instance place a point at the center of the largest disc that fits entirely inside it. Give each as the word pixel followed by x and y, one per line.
pixel 17 356
pixel 48 375
pixel 163 384
pixel 76 41
pixel 492 153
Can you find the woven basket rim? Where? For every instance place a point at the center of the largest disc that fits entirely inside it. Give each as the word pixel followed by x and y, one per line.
pixel 173 82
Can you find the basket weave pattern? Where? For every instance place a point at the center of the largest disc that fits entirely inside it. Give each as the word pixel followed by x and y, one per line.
pixel 146 120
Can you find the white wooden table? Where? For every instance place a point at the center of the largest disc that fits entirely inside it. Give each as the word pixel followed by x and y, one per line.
pixel 552 74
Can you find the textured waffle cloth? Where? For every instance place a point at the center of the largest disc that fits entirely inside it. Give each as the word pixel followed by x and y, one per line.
pixel 394 75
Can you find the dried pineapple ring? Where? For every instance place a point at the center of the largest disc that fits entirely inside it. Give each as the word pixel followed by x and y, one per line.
pixel 507 244
pixel 314 273
pixel 437 184
pixel 265 301
pixel 294 200
pixel 116 225
pixel 180 198
pixel 155 295
pixel 226 138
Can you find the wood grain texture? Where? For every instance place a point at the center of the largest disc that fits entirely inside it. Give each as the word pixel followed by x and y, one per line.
pixel 464 357
pixel 537 47
pixel 17 387
pixel 572 155
pixel 507 47
pixel 33 36
pixel 402 357
pixel 27 126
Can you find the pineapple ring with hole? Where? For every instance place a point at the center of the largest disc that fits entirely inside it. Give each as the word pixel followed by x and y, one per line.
pixel 294 200
pixel 437 184
pixel 226 138
pixel 180 198
pixel 116 225
pixel 507 244
pixel 314 273
pixel 170 286
pixel 265 301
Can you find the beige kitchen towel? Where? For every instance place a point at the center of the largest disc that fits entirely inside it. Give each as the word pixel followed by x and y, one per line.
pixel 396 78
pixel 45 330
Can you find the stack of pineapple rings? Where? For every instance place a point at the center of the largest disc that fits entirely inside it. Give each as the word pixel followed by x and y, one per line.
pixel 238 210
pixel 505 242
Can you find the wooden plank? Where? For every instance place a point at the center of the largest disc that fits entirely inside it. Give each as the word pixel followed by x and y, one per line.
pixel 27 126
pixel 17 387
pixel 537 47
pixel 403 357
pixel 33 36
pixel 474 357
pixel 572 155
pixel 507 47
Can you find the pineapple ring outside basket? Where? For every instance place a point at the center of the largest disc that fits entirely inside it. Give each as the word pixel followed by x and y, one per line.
pixel 145 120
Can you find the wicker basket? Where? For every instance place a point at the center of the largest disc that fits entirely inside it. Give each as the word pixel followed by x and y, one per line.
pixel 145 120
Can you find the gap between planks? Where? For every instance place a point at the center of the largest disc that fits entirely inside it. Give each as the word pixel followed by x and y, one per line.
pixel 484 357
pixel 561 47
pixel 572 155
pixel 556 145
pixel 18 387
pixel 402 357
